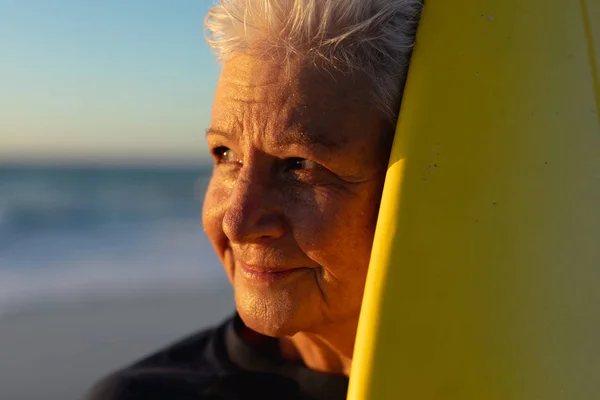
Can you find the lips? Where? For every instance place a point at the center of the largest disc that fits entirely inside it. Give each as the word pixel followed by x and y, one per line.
pixel 270 274
pixel 264 268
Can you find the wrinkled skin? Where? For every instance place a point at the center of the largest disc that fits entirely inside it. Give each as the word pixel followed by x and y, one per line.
pixel 300 159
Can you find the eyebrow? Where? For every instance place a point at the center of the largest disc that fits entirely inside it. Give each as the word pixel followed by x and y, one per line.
pixel 306 137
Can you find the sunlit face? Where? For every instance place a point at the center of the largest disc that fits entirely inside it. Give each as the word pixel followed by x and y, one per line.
pixel 300 158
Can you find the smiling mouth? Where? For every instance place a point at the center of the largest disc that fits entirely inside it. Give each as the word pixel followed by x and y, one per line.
pixel 264 275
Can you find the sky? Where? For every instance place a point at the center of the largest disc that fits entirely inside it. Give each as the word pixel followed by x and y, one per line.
pixel 104 81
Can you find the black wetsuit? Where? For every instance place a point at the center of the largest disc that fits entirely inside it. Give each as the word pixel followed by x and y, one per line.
pixel 226 362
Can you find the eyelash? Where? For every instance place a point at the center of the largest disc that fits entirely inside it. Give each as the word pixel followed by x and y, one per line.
pixel 220 154
pixel 291 164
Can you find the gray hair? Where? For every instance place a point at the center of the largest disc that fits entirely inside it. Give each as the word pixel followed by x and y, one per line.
pixel 371 36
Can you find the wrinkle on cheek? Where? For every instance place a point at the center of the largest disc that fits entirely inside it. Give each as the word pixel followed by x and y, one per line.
pixel 307 209
pixel 214 208
pixel 229 264
pixel 320 281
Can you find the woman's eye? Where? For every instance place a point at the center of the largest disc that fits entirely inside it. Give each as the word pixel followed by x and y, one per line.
pixel 295 164
pixel 224 155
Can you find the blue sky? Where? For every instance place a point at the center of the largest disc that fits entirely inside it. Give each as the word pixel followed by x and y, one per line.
pixel 104 80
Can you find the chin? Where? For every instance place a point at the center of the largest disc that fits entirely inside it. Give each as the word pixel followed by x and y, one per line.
pixel 275 314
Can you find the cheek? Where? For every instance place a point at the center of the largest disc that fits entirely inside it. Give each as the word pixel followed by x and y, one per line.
pixel 213 210
pixel 339 233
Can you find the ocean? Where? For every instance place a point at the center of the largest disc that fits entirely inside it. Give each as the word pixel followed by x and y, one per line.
pixel 74 234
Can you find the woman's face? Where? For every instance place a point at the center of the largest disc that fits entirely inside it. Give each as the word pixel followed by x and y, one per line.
pixel 300 159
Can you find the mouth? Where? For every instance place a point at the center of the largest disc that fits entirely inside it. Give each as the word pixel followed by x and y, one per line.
pixel 270 275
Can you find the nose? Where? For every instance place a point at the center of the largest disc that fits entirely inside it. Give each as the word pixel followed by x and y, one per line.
pixel 254 213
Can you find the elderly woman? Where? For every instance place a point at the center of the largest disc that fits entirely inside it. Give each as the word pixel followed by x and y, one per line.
pixel 301 131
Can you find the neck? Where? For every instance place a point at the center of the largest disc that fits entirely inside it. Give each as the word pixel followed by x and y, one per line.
pixel 328 351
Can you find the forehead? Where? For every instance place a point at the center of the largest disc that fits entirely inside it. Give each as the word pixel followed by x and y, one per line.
pixel 294 100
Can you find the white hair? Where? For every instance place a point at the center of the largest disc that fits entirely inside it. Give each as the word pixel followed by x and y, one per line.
pixel 371 36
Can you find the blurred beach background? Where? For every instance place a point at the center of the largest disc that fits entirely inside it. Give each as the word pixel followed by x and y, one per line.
pixel 103 168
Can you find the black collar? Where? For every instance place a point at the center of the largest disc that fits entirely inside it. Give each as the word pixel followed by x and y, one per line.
pixel 252 351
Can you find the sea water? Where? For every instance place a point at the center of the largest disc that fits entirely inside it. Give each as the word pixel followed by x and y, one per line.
pixel 70 234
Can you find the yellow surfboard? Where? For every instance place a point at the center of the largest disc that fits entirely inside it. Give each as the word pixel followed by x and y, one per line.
pixel 484 280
